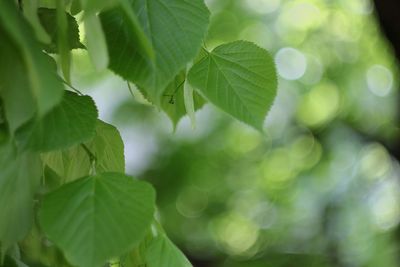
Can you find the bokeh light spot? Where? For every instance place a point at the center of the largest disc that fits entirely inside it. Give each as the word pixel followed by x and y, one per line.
pixel 379 80
pixel 291 63
pixel 320 105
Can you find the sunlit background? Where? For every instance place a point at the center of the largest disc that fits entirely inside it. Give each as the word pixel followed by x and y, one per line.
pixel 319 188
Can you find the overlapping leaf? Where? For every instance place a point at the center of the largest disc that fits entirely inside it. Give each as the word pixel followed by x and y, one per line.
pixel 71 122
pixel 28 84
pixel 239 78
pixel 19 179
pixel 175 28
pixel 96 218
pixel 48 19
pixel 68 165
pixel 106 146
pixel 161 252
pixel 172 102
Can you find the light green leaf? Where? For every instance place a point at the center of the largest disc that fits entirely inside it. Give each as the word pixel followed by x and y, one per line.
pixel 76 7
pixel 19 179
pixel 62 40
pixel 161 252
pixel 73 163
pixel 96 42
pixel 48 19
pixel 93 6
pixel 188 98
pixel 110 211
pixel 70 123
pixel 239 78
pixel 173 102
pixel 69 164
pixel 175 28
pixel 108 148
pixel 28 84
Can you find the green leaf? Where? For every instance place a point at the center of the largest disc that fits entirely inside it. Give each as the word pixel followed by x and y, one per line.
pixel 173 103
pixel 72 122
pixel 31 14
pixel 28 84
pixel 76 7
pixel 110 211
pixel 62 40
pixel 240 78
pixel 69 164
pixel 175 28
pixel 73 163
pixel 96 42
pixel 48 19
pixel 19 179
pixel 161 252
pixel 94 6
pixel 108 148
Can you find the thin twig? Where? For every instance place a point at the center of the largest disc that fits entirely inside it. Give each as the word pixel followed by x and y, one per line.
pixel 70 86
pixel 92 157
pixel 130 89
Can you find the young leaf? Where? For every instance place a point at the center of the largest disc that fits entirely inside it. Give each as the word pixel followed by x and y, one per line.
pixel 71 122
pixel 94 6
pixel 69 164
pixel 96 42
pixel 48 19
pixel 110 211
pixel 28 84
pixel 175 28
pixel 188 98
pixel 173 101
pixel 108 148
pixel 239 78
pixel 161 252
pixel 19 179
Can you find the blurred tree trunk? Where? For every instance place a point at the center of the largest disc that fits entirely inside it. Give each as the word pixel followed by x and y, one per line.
pixel 388 12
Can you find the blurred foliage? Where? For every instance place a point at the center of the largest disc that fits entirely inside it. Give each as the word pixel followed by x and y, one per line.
pixel 320 188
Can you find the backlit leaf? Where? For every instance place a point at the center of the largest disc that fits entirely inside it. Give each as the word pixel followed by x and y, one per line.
pixel 161 252
pixel 239 78
pixel 169 26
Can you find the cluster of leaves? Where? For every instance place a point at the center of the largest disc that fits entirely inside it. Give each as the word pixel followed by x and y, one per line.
pixel 62 179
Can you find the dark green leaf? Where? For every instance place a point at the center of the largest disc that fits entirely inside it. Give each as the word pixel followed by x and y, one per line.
pixel 110 211
pixel 28 84
pixel 239 78
pixel 48 19
pixel 96 42
pixel 169 24
pixel 70 123
pixel 19 179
